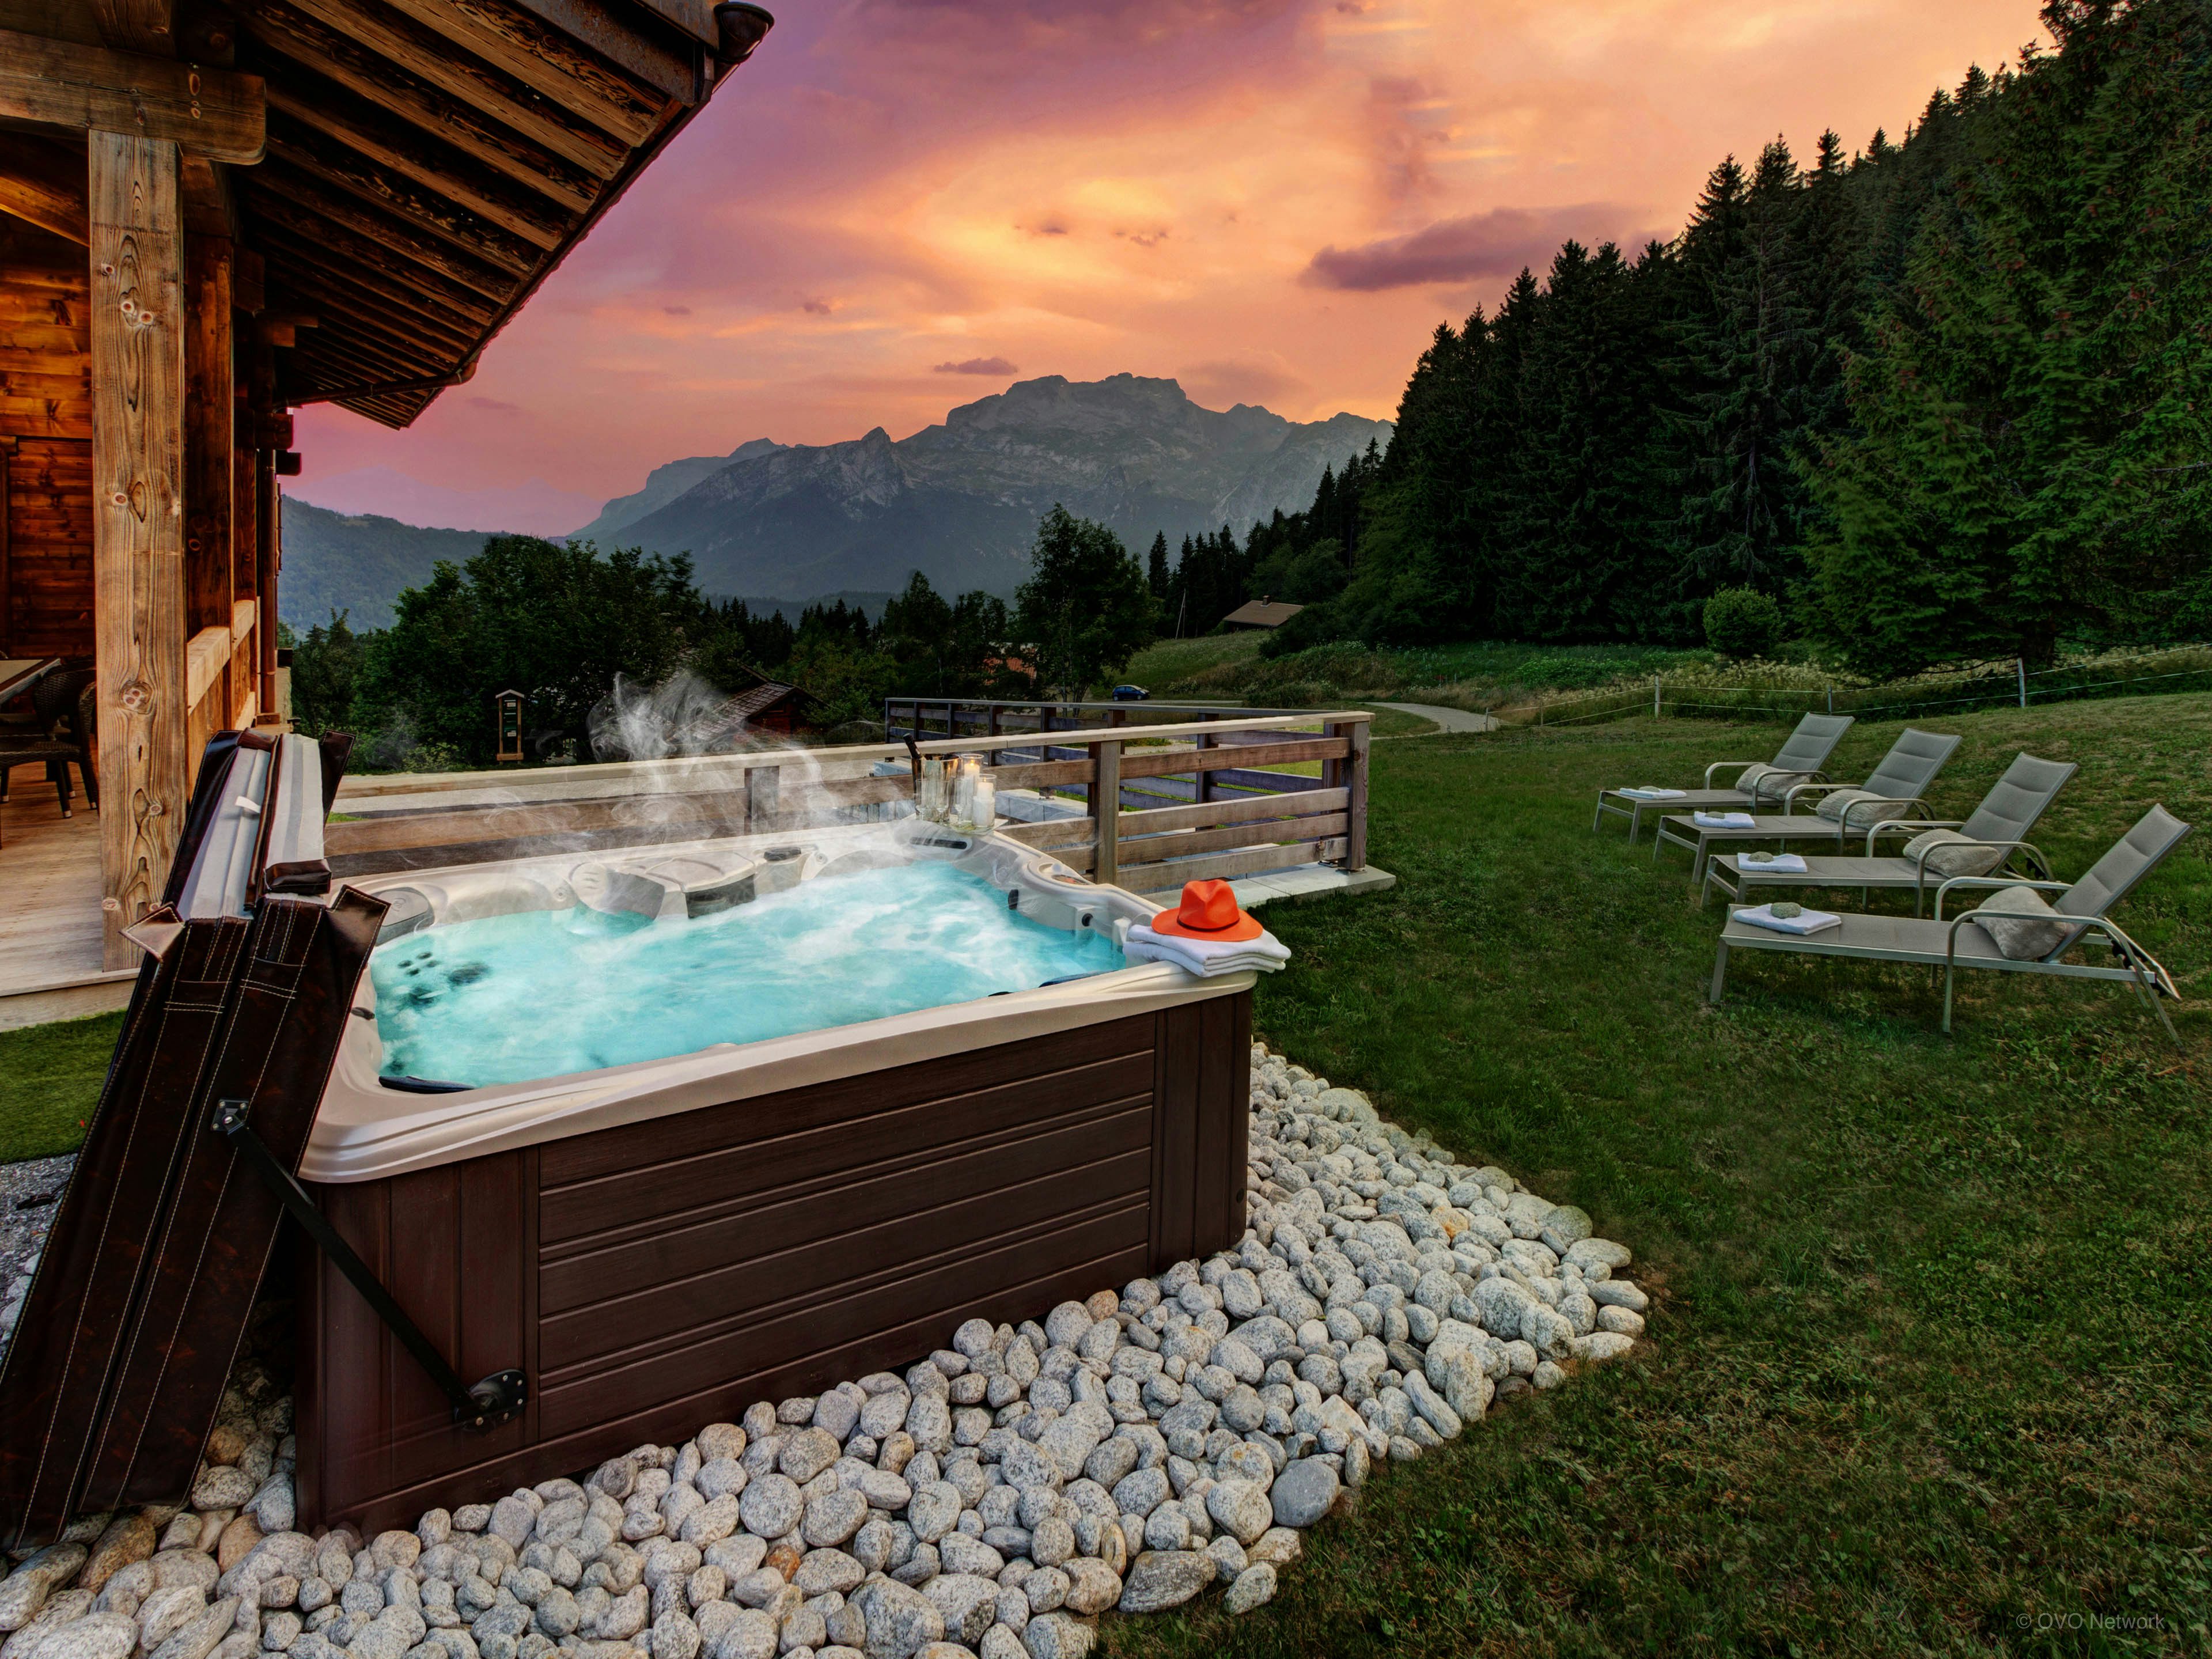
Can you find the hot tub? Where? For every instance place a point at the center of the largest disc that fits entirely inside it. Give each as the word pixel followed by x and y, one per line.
pixel 666 1132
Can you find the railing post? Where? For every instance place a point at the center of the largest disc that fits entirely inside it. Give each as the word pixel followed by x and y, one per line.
pixel 1204 792
pixel 1355 805
pixel 1332 768
pixel 762 797
pixel 1106 810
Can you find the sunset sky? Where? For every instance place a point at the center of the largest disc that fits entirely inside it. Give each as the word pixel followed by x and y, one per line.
pixel 901 205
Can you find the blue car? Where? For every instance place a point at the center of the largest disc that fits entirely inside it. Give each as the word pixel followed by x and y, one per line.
pixel 1131 694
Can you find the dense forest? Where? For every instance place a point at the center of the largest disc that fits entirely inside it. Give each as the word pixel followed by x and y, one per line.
pixel 1946 397
pixel 563 622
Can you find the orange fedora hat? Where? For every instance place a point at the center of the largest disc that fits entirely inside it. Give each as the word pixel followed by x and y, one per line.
pixel 1208 910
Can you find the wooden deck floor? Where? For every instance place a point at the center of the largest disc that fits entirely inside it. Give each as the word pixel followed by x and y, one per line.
pixel 50 933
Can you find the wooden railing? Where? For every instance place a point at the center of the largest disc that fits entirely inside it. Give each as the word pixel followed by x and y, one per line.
pixel 219 682
pixel 1214 829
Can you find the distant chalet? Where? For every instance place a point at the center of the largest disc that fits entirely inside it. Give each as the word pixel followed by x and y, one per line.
pixel 1264 614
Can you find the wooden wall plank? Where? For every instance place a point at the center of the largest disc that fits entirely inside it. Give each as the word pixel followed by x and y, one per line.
pixel 138 373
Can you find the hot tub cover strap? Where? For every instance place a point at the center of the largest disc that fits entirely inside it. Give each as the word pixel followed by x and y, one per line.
pixel 485 1406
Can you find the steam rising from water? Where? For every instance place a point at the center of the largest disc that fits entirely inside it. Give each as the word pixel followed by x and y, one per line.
pixel 683 715
pixel 690 755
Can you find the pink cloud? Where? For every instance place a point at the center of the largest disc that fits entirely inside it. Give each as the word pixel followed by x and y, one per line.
pixel 1110 185
pixel 994 366
pixel 1498 243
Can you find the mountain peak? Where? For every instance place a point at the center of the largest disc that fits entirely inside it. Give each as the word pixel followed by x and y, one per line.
pixel 960 500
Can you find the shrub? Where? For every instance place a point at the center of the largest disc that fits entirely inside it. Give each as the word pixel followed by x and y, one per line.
pixel 1743 622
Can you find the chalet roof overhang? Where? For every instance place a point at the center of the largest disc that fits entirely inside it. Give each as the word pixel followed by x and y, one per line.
pixel 423 165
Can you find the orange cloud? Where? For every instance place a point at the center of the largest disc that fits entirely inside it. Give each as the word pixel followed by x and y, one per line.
pixel 1275 200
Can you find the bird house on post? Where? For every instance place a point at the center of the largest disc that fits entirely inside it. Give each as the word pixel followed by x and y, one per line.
pixel 510 704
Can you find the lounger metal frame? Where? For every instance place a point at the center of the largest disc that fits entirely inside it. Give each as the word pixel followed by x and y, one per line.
pixel 2137 967
pixel 1728 798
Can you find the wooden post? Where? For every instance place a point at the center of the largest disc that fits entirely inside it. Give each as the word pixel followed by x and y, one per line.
pixel 1332 771
pixel 1355 807
pixel 1204 792
pixel 268 503
pixel 762 797
pixel 210 423
pixel 1106 809
pixel 138 522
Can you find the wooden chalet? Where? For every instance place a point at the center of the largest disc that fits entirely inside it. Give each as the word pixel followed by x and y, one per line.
pixel 213 214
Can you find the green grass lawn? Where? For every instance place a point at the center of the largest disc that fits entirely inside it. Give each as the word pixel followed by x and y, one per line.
pixel 50 1079
pixel 1929 1353
pixel 1928 1361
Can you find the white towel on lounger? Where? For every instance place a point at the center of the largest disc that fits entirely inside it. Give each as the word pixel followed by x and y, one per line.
pixel 1780 864
pixel 1652 791
pixel 1207 957
pixel 1722 820
pixel 1805 921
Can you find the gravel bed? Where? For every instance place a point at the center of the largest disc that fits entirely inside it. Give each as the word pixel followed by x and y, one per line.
pixel 1129 1452
pixel 29 1192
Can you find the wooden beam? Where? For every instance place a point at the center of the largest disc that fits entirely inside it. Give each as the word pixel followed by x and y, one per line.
pixel 422 53
pixel 545 60
pixel 695 17
pixel 208 208
pixel 209 469
pixel 302 149
pixel 394 246
pixel 385 88
pixel 147 26
pixel 402 314
pixel 301 236
pixel 213 113
pixel 43 183
pixel 138 530
pixel 398 148
pixel 671 66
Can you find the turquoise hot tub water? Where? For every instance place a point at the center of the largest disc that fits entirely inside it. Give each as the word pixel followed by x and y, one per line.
pixel 543 993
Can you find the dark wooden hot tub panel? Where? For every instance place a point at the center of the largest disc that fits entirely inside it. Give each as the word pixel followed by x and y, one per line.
pixel 654 1278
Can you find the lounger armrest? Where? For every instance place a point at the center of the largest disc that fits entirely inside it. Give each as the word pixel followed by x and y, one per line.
pixel 1912 824
pixel 1993 883
pixel 1741 767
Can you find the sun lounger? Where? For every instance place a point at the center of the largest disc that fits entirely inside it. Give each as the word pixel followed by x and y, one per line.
pixel 1981 844
pixel 1891 796
pixel 1966 941
pixel 1798 761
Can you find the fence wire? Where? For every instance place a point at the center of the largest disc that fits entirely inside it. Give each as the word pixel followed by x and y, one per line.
pixel 2016 689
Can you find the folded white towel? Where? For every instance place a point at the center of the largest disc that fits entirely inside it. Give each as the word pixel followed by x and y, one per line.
pixel 1805 921
pixel 1786 864
pixel 1722 820
pixel 1652 791
pixel 1207 957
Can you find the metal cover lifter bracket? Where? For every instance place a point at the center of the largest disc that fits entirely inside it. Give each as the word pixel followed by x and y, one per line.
pixel 499 1399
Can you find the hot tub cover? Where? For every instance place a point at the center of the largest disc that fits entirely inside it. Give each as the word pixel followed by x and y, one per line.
pixel 142 1294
